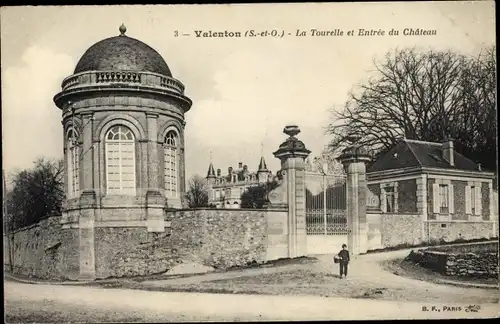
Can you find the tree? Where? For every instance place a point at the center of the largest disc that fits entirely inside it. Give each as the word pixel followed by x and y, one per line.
pixel 256 197
pixel 197 193
pixel 36 193
pixel 426 96
pixel 326 158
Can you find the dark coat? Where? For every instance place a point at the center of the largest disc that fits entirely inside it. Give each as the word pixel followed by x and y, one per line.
pixel 344 256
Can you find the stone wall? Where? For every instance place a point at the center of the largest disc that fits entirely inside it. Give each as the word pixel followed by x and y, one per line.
pixel 219 238
pixel 407 196
pixel 454 261
pixel 44 250
pixel 374 235
pixel 397 229
pixel 389 230
pixel 473 264
pixel 450 231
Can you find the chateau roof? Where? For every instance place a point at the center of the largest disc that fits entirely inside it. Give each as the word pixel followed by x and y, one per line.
pixel 122 53
pixel 262 164
pixel 411 153
pixel 211 171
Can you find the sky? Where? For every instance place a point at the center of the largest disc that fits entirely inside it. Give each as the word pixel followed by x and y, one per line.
pixel 244 90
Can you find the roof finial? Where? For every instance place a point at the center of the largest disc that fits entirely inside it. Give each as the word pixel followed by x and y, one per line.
pixel 261 148
pixel 210 156
pixel 122 29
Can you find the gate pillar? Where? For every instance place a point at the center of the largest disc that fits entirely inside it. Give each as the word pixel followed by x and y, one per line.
pixel 354 159
pixel 292 154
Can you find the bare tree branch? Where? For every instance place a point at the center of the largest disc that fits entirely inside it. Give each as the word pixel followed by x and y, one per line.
pixel 426 96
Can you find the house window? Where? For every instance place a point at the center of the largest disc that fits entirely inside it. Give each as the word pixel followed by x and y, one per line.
pixel 389 197
pixel 120 161
pixel 390 200
pixel 73 165
pixel 443 198
pixel 171 164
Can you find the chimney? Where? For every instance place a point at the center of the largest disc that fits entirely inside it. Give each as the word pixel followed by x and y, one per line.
pixel 218 172
pixel 448 154
pixel 240 165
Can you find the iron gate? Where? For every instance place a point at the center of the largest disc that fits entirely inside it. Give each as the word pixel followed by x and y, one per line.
pixel 326 214
pixel 326 205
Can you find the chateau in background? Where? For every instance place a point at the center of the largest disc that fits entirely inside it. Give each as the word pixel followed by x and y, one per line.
pixel 224 191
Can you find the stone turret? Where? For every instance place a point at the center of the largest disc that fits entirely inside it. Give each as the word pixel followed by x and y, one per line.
pixel 262 172
pixel 211 173
pixel 123 118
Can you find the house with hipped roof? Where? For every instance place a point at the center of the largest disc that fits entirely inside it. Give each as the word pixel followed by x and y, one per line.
pixel 422 191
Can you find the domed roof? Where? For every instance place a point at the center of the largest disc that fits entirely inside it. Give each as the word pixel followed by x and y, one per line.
pixel 122 53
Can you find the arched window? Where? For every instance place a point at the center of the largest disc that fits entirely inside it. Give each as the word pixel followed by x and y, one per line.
pixel 73 166
pixel 120 161
pixel 171 164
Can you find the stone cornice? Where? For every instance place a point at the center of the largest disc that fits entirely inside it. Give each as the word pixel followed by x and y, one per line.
pixel 61 97
pixel 459 173
pixel 131 108
pixel 394 173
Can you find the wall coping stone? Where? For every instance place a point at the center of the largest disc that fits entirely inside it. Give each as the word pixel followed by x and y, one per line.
pixel 120 223
pixel 229 209
pixel 457 221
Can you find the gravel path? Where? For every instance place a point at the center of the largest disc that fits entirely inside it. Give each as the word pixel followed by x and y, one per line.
pixel 367 279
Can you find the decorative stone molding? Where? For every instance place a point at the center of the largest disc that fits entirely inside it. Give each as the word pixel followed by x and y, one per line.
pixel 116 119
pixel 168 126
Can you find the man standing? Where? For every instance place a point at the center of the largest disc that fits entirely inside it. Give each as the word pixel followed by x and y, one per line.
pixel 344 260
